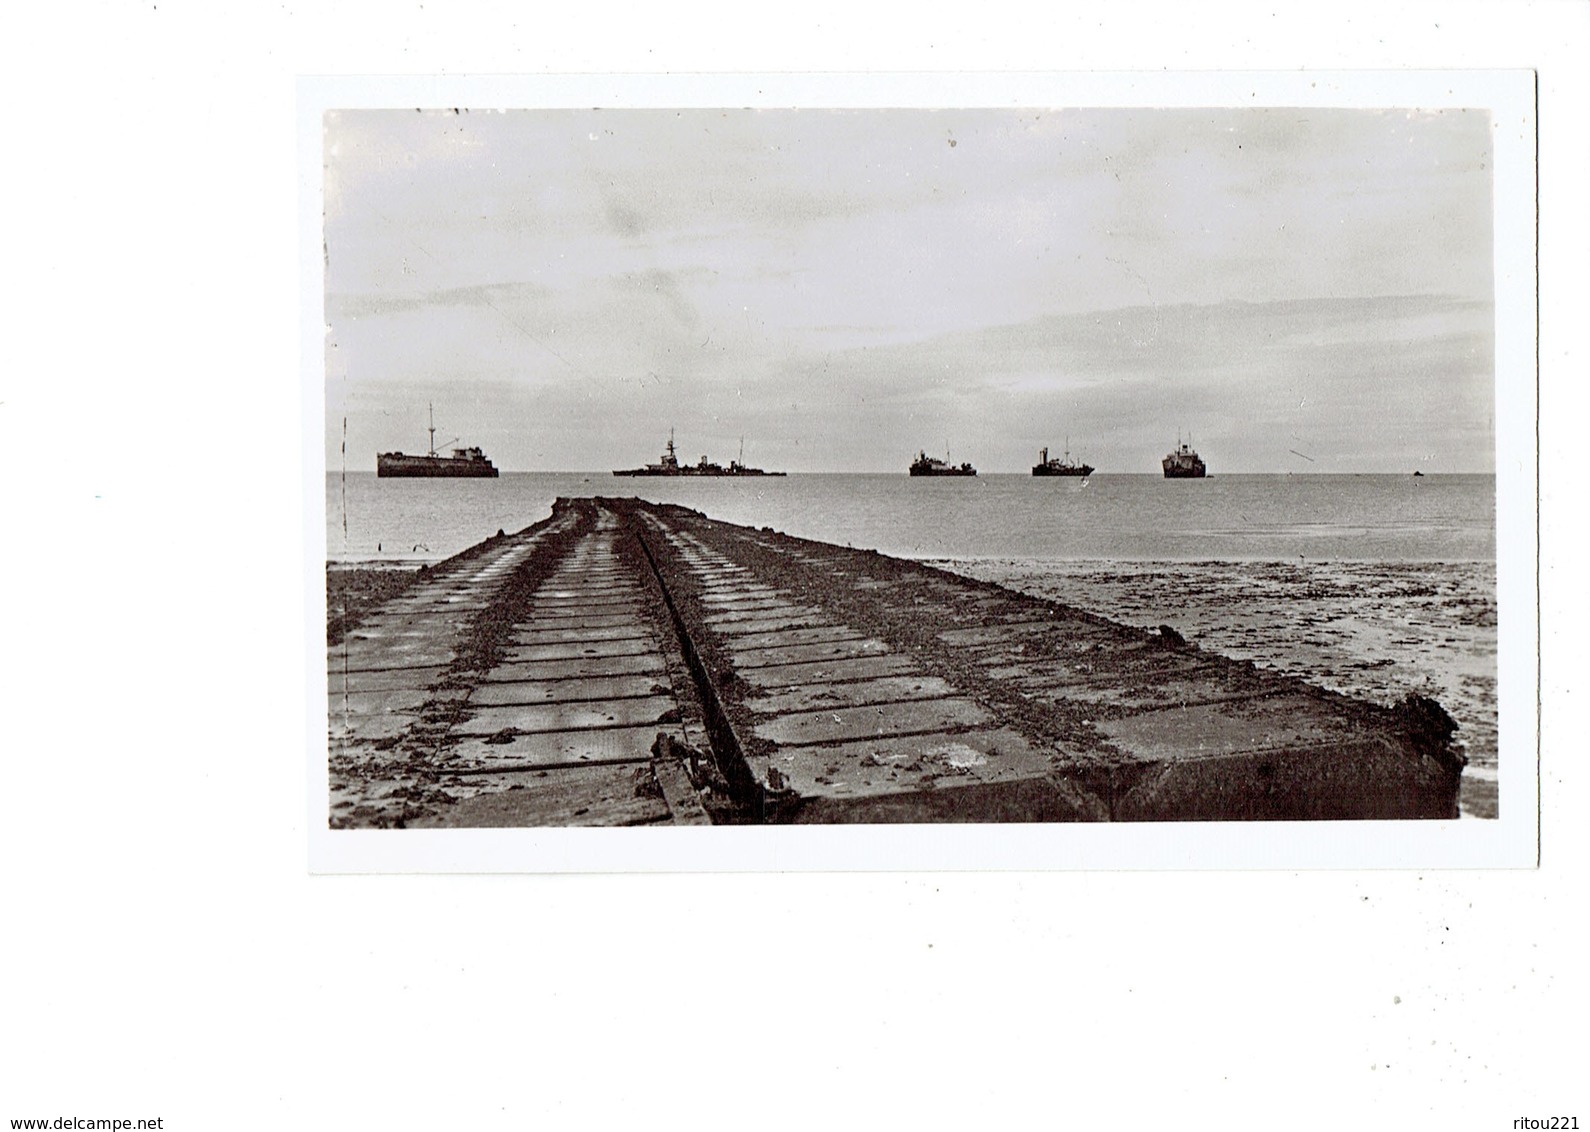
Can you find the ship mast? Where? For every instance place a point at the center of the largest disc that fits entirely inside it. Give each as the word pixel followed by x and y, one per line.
pixel 431 411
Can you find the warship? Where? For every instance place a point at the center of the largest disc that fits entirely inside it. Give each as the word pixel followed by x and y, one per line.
pixel 470 462
pixel 925 465
pixel 669 465
pixel 1183 463
pixel 1062 467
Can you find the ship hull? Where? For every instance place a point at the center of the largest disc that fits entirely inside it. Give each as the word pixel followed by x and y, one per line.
pixel 1051 470
pixel 943 472
pixel 725 473
pixel 396 465
pixel 1182 472
pixel 670 467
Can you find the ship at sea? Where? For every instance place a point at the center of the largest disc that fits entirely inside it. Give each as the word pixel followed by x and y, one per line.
pixel 1063 467
pixel 1183 463
pixel 925 465
pixel 468 462
pixel 669 465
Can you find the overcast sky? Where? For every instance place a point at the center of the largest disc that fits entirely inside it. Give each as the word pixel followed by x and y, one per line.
pixel 1301 290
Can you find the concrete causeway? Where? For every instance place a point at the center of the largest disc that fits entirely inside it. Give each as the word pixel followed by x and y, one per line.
pixel 637 664
pixel 526 685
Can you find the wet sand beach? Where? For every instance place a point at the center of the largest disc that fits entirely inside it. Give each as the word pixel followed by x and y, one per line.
pixel 1378 630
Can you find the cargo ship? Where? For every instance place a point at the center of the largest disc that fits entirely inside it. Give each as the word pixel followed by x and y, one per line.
pixel 669 465
pixel 469 462
pixel 1062 467
pixel 925 465
pixel 1183 463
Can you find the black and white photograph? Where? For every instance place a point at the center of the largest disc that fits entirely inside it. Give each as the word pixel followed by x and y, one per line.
pixel 816 465
pixel 944 566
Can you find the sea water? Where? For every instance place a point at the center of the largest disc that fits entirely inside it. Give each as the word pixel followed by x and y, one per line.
pixel 1139 518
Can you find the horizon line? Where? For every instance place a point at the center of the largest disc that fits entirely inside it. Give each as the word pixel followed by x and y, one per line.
pixel 1025 474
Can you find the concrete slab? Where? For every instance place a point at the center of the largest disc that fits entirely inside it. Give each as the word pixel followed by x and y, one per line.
pixel 746 605
pixel 595 796
pixel 379 627
pixel 746 659
pixel 870 721
pixel 635 665
pixel 771 624
pixel 350 705
pixel 577 597
pixel 779 638
pixel 1144 692
pixel 364 659
pixel 1062 675
pixel 365 730
pixel 567 716
pixel 339 681
pixel 578 650
pixel 338 664
pixel 985 754
pixel 981 776
pixel 1005 632
pixel 567 691
pixel 429 606
pixel 728 595
pixel 587 597
pixel 777 676
pixel 781 610
pixel 580 620
pixel 533 634
pixel 988 755
pixel 554 748
pixel 1220 729
pixel 812 697
pixel 538 612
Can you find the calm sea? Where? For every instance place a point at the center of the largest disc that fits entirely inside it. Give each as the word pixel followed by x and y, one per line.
pixel 1367 518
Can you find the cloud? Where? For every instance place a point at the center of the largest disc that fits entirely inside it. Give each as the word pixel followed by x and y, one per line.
pixel 844 284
